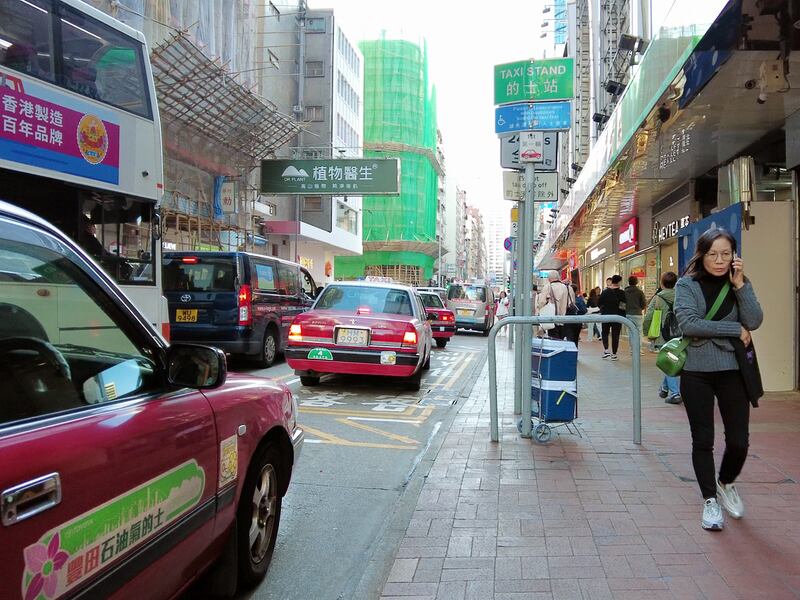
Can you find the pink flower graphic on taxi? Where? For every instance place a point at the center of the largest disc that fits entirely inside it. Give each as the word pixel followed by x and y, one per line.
pixel 44 562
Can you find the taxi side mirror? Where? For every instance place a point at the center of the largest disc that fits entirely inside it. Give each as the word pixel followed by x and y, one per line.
pixel 195 366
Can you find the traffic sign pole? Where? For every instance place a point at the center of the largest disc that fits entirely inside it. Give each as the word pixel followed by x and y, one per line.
pixel 519 302
pixel 511 295
pixel 524 349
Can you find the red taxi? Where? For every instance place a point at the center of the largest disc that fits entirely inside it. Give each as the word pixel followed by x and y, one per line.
pixel 362 327
pixel 130 467
pixel 443 323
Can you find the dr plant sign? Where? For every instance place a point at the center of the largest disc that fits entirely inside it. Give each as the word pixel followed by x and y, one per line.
pixel 331 177
pixel 534 80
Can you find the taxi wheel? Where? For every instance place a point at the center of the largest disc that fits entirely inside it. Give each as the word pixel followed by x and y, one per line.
pixel 441 343
pixel 414 382
pixel 258 517
pixel 309 381
pixel 269 349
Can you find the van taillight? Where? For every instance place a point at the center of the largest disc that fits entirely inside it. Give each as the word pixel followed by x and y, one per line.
pixel 245 305
pixel 190 260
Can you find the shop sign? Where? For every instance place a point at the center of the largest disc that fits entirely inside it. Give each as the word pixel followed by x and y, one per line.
pixel 307 263
pixel 628 237
pixel 334 177
pixel 599 252
pixel 669 230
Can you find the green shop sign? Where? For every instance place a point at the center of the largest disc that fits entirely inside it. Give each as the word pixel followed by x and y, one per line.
pixel 534 80
pixel 336 177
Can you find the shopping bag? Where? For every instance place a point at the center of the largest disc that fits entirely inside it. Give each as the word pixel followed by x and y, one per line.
pixel 548 310
pixel 672 356
pixel 748 367
pixel 655 325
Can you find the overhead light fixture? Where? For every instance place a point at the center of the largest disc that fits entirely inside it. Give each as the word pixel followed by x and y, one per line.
pixel 565 192
pixel 570 180
pixel 576 167
pixel 544 35
pixel 600 118
pixel 615 88
pixel 545 10
pixel 631 43
pixel 545 23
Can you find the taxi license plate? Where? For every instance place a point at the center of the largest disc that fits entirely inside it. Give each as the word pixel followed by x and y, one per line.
pixel 463 312
pixel 186 315
pixel 352 337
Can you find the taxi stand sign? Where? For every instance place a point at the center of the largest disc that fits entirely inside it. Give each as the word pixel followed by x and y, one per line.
pixel 534 80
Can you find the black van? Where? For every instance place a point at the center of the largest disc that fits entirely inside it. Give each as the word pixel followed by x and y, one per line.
pixel 240 302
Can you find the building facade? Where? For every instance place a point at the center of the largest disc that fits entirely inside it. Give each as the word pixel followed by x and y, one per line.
pixel 399 233
pixel 497 230
pixel 693 126
pixel 476 267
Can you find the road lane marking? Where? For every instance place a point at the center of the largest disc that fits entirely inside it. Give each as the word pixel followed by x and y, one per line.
pixel 457 375
pixel 385 420
pixel 314 410
pixel 392 436
pixel 327 438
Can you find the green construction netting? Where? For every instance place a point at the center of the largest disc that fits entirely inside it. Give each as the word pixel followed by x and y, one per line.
pixel 399 108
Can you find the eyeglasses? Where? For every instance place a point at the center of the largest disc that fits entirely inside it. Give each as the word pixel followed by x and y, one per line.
pixel 714 256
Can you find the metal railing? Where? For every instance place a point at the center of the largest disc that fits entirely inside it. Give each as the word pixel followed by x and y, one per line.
pixel 635 340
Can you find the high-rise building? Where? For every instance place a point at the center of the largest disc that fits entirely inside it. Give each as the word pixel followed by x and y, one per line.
pixel 315 72
pixel 476 245
pixel 399 121
pixel 497 230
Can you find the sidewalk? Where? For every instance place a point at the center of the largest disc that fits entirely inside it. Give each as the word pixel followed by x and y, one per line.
pixel 597 517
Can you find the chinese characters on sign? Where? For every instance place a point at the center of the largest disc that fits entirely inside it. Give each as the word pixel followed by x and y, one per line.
pixel 332 177
pixel 539 116
pixel 529 80
pixel 25 119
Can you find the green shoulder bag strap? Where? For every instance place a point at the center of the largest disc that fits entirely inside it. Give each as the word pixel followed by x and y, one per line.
pixel 685 340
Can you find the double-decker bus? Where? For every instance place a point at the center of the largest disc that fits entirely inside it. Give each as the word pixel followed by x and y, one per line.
pixel 80 137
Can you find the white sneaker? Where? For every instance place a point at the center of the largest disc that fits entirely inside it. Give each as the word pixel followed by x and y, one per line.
pixel 613 357
pixel 606 354
pixel 730 500
pixel 712 515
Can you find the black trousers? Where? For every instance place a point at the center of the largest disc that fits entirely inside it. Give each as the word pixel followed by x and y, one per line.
pixel 615 329
pixel 698 391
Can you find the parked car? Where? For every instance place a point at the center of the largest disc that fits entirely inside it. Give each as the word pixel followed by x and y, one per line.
pixel 439 291
pixel 473 306
pixel 367 328
pixel 240 302
pixel 130 466
pixel 443 324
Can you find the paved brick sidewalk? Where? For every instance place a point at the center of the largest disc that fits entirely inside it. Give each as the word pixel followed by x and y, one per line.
pixel 597 517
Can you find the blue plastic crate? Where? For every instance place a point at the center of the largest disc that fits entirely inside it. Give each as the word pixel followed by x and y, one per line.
pixel 554 360
pixel 554 401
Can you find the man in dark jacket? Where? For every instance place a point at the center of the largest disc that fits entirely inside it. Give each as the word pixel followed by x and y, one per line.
pixel 635 303
pixel 612 302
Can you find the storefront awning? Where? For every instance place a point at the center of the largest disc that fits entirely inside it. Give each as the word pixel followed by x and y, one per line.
pixel 199 93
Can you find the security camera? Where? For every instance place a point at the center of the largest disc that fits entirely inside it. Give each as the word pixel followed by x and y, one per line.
pixel 750 84
pixel 762 98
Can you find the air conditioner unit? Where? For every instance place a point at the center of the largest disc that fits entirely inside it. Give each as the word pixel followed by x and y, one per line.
pixel 297 109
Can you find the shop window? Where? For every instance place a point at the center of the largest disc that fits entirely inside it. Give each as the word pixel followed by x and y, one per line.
pixel 312 204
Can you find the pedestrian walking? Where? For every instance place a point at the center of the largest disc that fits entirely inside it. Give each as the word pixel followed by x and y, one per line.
pixel 664 301
pixel 635 304
pixel 612 302
pixel 561 296
pixel 592 308
pixel 714 278
pixel 502 310
pixel 573 331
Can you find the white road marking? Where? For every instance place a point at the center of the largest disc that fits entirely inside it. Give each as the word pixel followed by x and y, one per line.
pixel 384 420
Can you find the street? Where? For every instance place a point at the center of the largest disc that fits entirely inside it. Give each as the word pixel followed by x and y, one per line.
pixel 364 439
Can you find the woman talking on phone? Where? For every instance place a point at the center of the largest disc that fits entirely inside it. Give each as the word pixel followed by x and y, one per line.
pixel 714 278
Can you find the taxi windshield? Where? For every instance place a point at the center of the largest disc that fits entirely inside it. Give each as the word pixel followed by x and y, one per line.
pixel 466 292
pixel 353 298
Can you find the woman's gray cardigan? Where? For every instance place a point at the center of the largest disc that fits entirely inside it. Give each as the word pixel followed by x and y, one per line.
pixel 711 348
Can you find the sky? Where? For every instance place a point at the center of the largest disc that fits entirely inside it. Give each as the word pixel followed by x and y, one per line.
pixel 465 41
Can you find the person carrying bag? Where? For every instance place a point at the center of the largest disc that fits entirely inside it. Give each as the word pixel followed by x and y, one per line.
pixel 716 308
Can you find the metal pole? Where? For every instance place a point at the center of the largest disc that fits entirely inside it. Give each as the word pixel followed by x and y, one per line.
pixel 636 364
pixel 519 363
pixel 512 287
pixel 527 310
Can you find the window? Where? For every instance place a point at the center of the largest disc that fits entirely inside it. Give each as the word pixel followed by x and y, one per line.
pixel 265 277
pixel 431 301
pixel 346 218
pixel 312 203
pixel 308 283
pixel 315 25
pixel 63 343
pixel 205 275
pixel 466 292
pixel 102 63
pixel 288 279
pixel 377 300
pixel 315 68
pixel 26 40
pixel 314 113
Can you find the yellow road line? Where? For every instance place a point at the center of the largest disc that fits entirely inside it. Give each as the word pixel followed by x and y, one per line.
pixel 426 412
pixel 328 438
pixel 388 434
pixel 455 376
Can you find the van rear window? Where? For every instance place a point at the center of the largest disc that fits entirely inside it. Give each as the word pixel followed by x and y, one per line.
pixel 206 275
pixel 466 292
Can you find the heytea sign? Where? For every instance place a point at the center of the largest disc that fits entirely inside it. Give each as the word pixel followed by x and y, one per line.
pixel 529 80
pixel 336 177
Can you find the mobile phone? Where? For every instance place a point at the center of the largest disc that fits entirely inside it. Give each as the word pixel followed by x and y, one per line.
pixel 735 256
